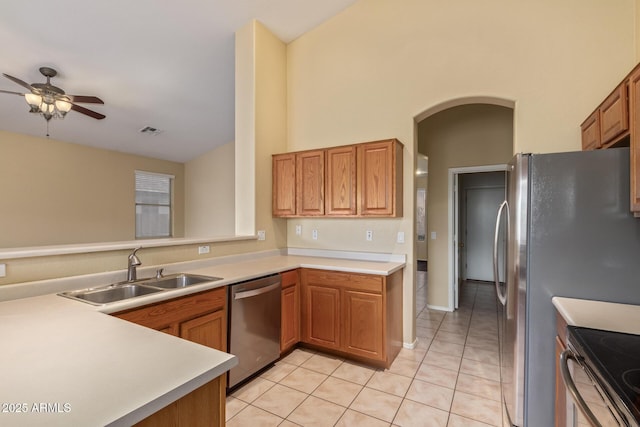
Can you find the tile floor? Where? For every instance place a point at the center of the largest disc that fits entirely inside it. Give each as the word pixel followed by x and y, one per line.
pixel 451 378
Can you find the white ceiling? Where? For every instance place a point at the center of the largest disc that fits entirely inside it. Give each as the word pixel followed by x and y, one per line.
pixel 162 63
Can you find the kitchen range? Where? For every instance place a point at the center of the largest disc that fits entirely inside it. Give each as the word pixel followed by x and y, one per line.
pixel 611 362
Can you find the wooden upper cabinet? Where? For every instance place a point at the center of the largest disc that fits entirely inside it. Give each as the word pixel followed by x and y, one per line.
pixel 634 141
pixel 614 114
pixel 340 188
pixel 284 185
pixel 591 132
pixel 310 183
pixel 380 178
pixel 360 180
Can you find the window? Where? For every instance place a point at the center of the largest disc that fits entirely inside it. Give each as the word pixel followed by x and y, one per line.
pixel 153 205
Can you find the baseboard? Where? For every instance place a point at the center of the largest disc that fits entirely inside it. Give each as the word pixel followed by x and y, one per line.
pixel 410 345
pixel 438 307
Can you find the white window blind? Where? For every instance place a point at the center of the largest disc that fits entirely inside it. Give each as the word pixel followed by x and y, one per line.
pixel 153 205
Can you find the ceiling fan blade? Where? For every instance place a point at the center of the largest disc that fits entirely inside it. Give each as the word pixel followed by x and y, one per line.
pixel 12 93
pixel 87 99
pixel 87 112
pixel 20 82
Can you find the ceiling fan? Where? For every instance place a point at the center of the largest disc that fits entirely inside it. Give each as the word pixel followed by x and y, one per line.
pixel 50 100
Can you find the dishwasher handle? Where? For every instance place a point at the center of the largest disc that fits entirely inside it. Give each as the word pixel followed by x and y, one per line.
pixel 256 292
pixel 565 356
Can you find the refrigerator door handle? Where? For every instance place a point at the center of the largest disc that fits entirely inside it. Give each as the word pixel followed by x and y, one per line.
pixel 496 277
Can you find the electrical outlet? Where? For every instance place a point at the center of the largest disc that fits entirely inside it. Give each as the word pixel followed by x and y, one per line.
pixel 261 235
pixel 369 235
pixel 298 230
pixel 400 237
pixel 314 234
pixel 203 249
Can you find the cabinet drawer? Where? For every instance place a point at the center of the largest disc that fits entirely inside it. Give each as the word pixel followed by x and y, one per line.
pixel 361 282
pixel 158 316
pixel 289 278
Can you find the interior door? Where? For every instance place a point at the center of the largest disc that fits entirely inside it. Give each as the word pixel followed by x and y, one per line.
pixel 481 208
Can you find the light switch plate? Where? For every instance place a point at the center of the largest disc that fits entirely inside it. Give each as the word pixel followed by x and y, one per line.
pixel 400 237
pixel 433 235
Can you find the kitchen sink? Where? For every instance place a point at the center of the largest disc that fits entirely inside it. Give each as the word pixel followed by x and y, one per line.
pixel 111 293
pixel 176 281
pixel 126 290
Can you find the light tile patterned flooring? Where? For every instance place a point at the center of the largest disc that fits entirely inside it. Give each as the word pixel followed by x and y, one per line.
pixel 451 378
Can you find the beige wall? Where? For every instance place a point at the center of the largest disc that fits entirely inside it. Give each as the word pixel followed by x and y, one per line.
pixel 261 120
pixel 368 72
pixel 209 193
pixel 470 135
pixel 55 192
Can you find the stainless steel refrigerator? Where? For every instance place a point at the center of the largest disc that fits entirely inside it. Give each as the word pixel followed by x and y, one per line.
pixel 568 232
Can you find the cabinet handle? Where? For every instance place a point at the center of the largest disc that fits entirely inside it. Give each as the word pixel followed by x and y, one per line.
pixel 565 356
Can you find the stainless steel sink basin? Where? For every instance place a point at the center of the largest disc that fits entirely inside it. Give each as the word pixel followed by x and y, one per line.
pixel 125 290
pixel 176 281
pixel 111 293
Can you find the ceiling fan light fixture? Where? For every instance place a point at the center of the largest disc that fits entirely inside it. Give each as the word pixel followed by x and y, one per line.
pixel 63 107
pixel 34 101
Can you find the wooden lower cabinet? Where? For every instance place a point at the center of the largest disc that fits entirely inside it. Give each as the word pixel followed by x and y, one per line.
pixel 200 318
pixel 357 315
pixel 194 409
pixel 290 320
pixel 209 329
pixel 561 391
pixel 363 320
pixel 322 316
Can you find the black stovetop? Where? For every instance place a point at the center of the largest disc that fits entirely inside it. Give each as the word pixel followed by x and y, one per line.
pixel 615 358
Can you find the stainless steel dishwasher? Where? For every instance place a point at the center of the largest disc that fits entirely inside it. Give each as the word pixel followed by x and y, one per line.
pixel 254 326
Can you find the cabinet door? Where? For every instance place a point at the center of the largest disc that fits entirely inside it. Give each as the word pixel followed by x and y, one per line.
pixel 310 183
pixel 209 329
pixel 340 185
pixel 561 391
pixel 322 319
pixel 380 178
pixel 591 132
pixel 363 324
pixel 634 153
pixel 284 185
pixel 614 115
pixel 290 328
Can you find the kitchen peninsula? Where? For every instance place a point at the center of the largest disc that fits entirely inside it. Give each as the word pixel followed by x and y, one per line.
pixel 87 368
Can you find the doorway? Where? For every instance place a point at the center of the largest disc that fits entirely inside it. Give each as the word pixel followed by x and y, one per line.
pixel 481 194
pixel 475 194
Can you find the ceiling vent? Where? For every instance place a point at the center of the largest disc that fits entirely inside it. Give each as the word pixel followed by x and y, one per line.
pixel 148 130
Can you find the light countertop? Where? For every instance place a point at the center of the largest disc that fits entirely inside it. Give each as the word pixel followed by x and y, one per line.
pixel 599 314
pixel 88 368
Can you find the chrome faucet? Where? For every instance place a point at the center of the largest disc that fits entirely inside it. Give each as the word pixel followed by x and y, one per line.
pixel 132 262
